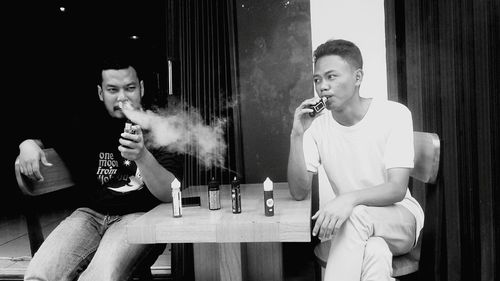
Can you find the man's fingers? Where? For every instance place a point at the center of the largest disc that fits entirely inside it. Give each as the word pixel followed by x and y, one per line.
pixel 317 224
pixel 44 161
pixel 315 215
pixel 323 231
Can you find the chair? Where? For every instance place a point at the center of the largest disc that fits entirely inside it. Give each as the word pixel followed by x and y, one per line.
pixel 426 166
pixel 57 177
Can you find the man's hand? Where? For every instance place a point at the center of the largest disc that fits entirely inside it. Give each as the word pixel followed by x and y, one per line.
pixel 301 119
pixel 132 145
pixel 330 218
pixel 30 155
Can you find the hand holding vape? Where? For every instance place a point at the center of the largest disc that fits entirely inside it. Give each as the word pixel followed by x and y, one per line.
pixel 318 107
pixel 129 125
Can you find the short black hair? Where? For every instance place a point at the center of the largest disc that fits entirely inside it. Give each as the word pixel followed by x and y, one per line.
pixel 121 55
pixel 342 48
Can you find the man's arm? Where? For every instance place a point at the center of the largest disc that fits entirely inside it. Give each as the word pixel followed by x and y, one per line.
pixel 30 155
pixel 390 192
pixel 155 176
pixel 299 179
pixel 331 217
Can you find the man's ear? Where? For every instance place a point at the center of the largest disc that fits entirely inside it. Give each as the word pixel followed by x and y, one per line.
pixel 142 88
pixel 359 76
pixel 99 93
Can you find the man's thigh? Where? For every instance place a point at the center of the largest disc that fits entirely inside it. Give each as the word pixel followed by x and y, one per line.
pixel 116 259
pixel 395 224
pixel 68 249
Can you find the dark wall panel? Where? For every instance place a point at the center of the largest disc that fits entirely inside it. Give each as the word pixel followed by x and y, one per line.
pixel 275 69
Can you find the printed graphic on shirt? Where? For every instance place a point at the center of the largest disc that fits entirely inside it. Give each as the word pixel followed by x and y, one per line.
pixel 118 174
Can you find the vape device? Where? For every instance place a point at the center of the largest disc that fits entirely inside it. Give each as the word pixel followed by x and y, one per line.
pixel 318 107
pixel 128 124
pixel 129 127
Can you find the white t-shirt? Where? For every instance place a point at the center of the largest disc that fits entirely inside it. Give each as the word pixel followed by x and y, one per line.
pixel 358 156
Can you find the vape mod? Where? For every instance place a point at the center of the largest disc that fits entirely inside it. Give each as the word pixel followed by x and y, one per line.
pixel 318 107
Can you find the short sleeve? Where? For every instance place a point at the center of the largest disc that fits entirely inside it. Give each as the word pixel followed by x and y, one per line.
pixel 399 152
pixel 311 154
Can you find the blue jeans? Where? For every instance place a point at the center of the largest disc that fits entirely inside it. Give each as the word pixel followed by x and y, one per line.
pixel 90 246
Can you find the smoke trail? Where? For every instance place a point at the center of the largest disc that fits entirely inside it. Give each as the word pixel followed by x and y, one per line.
pixel 183 132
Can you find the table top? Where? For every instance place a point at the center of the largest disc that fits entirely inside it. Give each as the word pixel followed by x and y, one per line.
pixel 198 224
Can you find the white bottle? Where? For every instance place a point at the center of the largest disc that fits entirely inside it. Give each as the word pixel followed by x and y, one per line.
pixel 176 198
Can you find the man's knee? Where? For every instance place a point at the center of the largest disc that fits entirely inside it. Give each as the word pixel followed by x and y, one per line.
pixel 377 260
pixel 377 248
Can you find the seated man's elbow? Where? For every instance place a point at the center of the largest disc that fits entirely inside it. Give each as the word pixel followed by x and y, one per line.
pixel 400 192
pixel 298 195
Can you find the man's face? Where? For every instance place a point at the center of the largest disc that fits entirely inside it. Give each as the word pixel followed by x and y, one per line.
pixel 337 80
pixel 120 85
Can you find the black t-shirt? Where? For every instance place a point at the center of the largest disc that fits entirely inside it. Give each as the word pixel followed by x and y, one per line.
pixel 109 183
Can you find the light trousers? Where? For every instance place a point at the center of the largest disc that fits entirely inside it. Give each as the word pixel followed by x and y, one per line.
pixel 364 245
pixel 90 246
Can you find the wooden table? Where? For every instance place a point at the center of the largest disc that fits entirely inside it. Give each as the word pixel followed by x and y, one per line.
pixel 219 253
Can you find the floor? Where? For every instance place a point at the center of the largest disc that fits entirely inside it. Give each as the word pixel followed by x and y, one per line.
pixel 15 249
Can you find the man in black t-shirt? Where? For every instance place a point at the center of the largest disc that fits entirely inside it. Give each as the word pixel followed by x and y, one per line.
pixel 121 177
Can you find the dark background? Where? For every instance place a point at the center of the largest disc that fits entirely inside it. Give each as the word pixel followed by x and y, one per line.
pixel 50 60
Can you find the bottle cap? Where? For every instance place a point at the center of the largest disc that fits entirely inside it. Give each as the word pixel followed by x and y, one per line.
pixel 235 181
pixel 268 184
pixel 213 183
pixel 175 184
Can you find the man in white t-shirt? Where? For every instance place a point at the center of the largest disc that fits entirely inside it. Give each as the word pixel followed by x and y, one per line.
pixel 366 148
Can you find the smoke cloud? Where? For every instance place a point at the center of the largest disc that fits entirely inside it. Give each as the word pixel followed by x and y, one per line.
pixel 183 132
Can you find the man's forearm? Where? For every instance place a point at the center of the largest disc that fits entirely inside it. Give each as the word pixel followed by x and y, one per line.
pixel 299 179
pixel 156 177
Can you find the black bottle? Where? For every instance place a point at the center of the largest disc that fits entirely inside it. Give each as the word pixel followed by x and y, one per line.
pixel 236 196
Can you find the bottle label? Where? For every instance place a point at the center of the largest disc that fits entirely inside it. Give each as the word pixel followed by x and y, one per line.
pixel 236 200
pixel 268 203
pixel 213 200
pixel 176 204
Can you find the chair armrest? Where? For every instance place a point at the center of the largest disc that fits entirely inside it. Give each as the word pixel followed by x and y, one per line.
pixel 56 177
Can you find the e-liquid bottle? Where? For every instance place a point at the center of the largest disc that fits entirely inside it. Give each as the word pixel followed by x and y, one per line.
pixel 236 196
pixel 268 198
pixel 213 195
pixel 176 198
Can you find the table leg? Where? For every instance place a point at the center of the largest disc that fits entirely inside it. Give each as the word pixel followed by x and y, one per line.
pixel 265 261
pixel 238 261
pixel 224 261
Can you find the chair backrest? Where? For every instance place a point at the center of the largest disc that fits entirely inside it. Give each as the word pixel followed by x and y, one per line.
pixel 426 162
pixel 56 177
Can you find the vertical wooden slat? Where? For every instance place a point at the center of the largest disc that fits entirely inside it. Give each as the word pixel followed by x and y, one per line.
pixel 483 122
pixel 207 75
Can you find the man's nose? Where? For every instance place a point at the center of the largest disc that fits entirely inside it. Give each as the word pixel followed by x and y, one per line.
pixel 323 86
pixel 121 96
